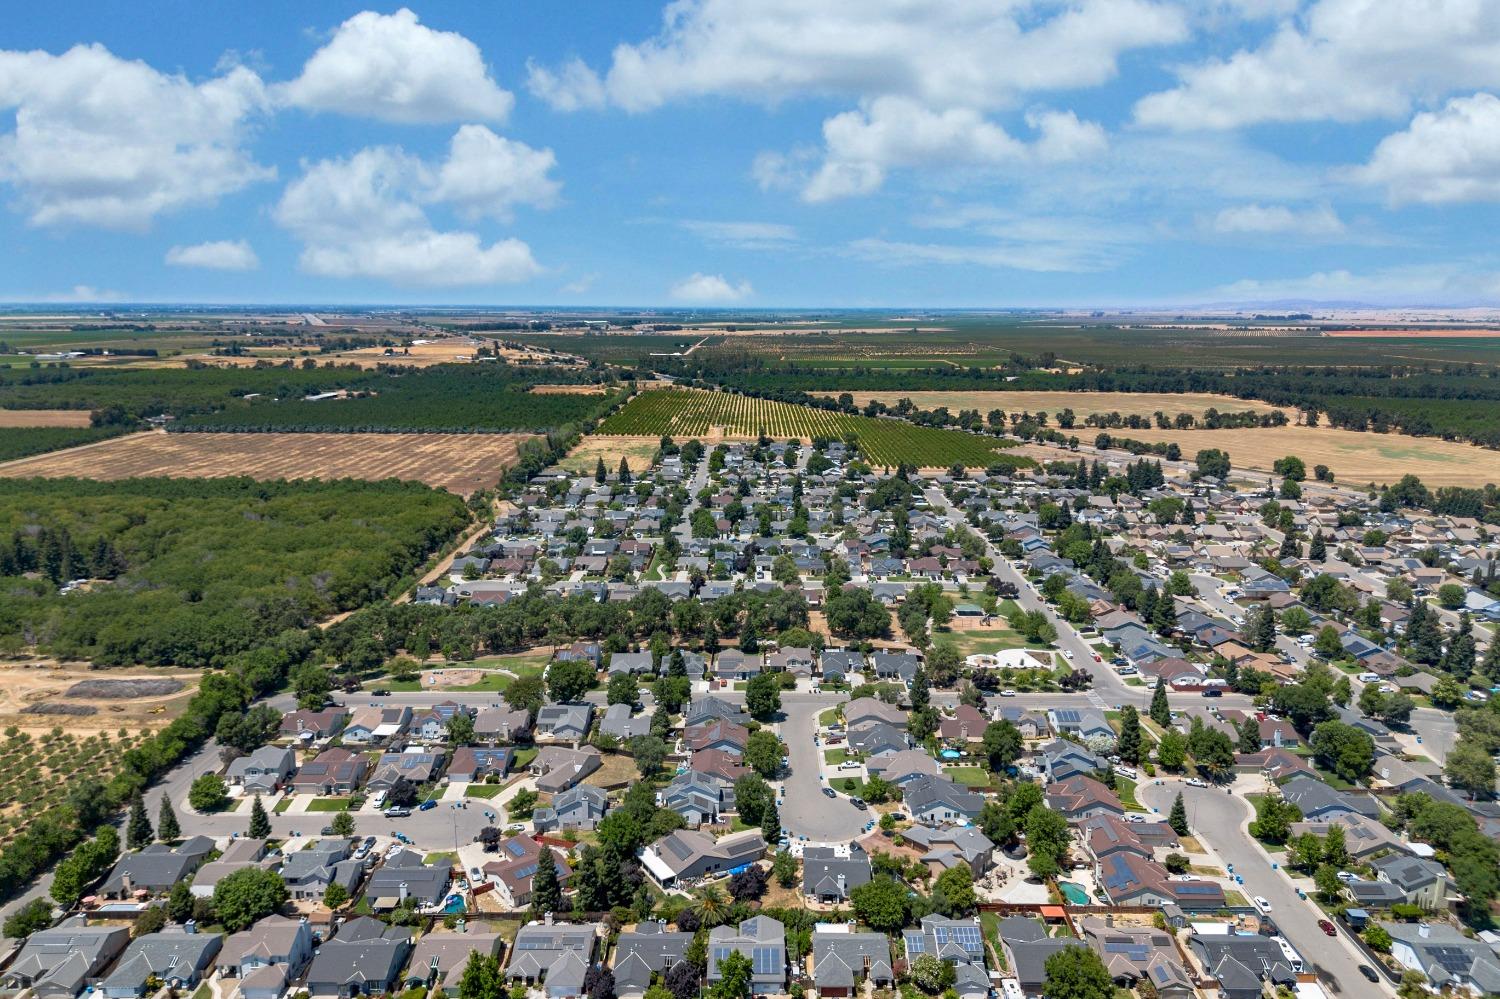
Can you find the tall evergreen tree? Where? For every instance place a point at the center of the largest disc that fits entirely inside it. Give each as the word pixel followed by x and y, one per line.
pixel 546 892
pixel 260 822
pixel 167 828
pixel 600 472
pixel 1129 746
pixel 1317 550
pixel 1178 817
pixel 1249 735
pixel 1289 547
pixel 138 831
pixel 770 823
pixel 1160 712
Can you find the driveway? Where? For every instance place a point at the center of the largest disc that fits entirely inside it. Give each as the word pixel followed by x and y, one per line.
pixel 1220 821
pixel 806 812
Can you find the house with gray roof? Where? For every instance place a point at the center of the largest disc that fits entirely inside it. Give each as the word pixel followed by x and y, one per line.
pixel 558 768
pixel 1028 955
pixel 948 846
pixel 1363 837
pixel 843 958
pixel 156 868
pixel 579 807
pixel 263 771
pixel 364 959
pixel 563 722
pixel 475 763
pixel 763 941
pixel 309 872
pixel 404 876
pixel 1083 723
pixel 938 800
pixel 632 663
pixel 877 737
pixel 1421 881
pixel 837 664
pixel 499 724
pixel 1244 965
pixel 650 949
pixel 555 956
pixel 687 855
pixel 960 942
pixel 241 853
pixel 1133 955
pixel 1062 760
pixel 415 766
pixel 700 798
pixel 900 666
pixel 1445 956
pixel 267 956
pixel 440 957
pixel 709 708
pixel 902 766
pixel 829 873
pixel 621 722
pixel 1320 802
pixel 57 963
pixel 175 955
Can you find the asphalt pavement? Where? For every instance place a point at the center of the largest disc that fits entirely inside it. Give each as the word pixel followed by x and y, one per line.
pixel 806 812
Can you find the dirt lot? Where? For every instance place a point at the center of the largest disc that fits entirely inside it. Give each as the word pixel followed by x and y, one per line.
pixel 44 417
pixel 637 450
pixel 1355 458
pixel 421 355
pixel 1082 403
pixel 26 685
pixel 568 389
pixel 463 463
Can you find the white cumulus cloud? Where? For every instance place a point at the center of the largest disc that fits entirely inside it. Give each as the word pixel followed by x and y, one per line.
pixel 710 289
pixel 742 235
pixel 103 141
pixel 1265 220
pixel 366 215
pixel 1444 156
pixel 218 255
pixel 392 67
pixel 1340 60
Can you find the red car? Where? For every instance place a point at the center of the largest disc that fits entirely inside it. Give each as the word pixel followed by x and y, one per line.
pixel 1327 927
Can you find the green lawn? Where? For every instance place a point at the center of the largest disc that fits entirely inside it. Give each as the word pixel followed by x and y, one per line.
pixel 328 805
pixel 483 790
pixel 283 805
pixel 447 855
pixel 968 776
pixel 523 758
pixel 1235 899
pixel 971 643
pixel 829 717
pixel 1125 789
pixel 989 924
pixel 834 757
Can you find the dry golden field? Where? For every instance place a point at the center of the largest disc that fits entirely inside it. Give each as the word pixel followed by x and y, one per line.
pixel 1082 403
pixel 44 417
pixel 462 463
pixel 637 450
pixel 1355 458
pixel 568 389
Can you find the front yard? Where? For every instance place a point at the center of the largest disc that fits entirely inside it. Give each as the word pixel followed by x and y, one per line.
pixel 968 776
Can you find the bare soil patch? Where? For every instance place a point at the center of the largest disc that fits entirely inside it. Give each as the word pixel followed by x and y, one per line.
pixel 44 417
pixel 1427 334
pixel 568 389
pixel 638 451
pixel 1082 403
pixel 462 463
pixel 31 691
pixel 123 689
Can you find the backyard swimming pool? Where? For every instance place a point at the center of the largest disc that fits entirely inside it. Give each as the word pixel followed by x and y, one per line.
pixel 1073 893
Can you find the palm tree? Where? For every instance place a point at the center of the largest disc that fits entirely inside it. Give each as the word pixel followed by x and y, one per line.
pixel 710 905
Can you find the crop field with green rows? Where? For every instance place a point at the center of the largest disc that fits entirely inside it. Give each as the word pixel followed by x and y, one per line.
pixel 884 442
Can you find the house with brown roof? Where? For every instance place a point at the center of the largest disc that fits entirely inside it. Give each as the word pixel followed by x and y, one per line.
pixel 965 727
pixel 719 734
pixel 1081 797
pixel 313 725
pixel 333 771
pixel 516 866
pixel 1277 764
pixel 1133 955
pixel 718 763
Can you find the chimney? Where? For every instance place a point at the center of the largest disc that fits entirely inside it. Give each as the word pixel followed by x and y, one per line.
pixel 841 884
pixel 405 890
pixel 191 926
pixel 1424 930
pixel 548 918
pixel 1109 919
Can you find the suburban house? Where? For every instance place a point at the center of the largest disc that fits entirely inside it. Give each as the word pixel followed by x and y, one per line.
pixel 1082 797
pixel 843 958
pixel 310 726
pixel 949 846
pixel 1083 723
pixel 404 876
pixel 1135 955
pixel 1244 965
pixel 1421 881
pixel 558 768
pixel 621 721
pixel 263 771
pixel 1062 760
pixel 364 959
pixel 333 771
pixel 650 949
pixel 1130 879
pixel 686 855
pixel 241 853
pixel 938 800
pixel 579 807
pixel 1445 956
pixel 473 764
pixel 960 942
pixel 555 956
pixel 512 873
pixel 309 872
pixel 1028 946
pixel 416 766
pixel 762 940
pixel 156 868
pixel 179 958
pixel 502 724
pixel 440 957
pixel 563 722
pixel 370 726
pixel 966 727
pixel 830 873
pixel 700 798
pixel 58 963
pixel 903 766
pixel 719 734
pixel 267 956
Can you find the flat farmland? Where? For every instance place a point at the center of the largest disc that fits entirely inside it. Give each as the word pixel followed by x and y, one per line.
pixel 1082 403
pixel 460 463
pixel 638 451
pixel 1355 458
pixel 44 418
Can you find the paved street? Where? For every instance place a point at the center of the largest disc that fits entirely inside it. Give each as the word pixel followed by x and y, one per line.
pixel 807 812
pixel 1221 820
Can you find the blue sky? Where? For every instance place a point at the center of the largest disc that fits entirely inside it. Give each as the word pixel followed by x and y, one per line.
pixel 758 153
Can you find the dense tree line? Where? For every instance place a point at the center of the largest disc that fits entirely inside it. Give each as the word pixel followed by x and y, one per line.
pixel 22 442
pixel 201 570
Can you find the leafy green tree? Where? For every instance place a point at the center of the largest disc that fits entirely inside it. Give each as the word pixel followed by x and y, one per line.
pixel 1328 644
pixel 1379 939
pixel 1348 751
pixel 208 793
pixel 622 689
pixel 932 974
pixel 528 693
pixel 1450 596
pixel 1306 852
pixel 1171 752
pixel 1327 880
pixel 481 978
pixel 311 684
pixel 31 917
pixel 1249 735
pixel 752 796
pixel 138 831
pixel 260 822
pixel 881 904
pixel 650 753
pixel 763 753
pixel 956 887
pixel 784 869
pixel 88 862
pixel 1470 768
pixel 1002 745
pixel 1335 848
pixel 1047 835
pixel 167 829
pixel 248 895
pixel 568 681
pixel 1178 819
pixel 180 902
pixel 343 824
pixel 1077 973
pixel 1273 819
pixel 763 696
pixel 735 972
pixel 460 728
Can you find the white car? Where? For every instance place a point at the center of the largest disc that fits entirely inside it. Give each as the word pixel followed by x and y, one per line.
pixel 1007 692
pixel 1196 782
pixel 1261 904
pixel 1068 655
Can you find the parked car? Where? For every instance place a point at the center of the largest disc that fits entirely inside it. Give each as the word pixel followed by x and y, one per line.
pixel 1369 973
pixel 858 803
pixel 430 803
pixel 1327 928
pixel 1261 903
pixel 1068 654
pixel 1196 782
pixel 397 813
pixel 829 792
pixel 380 693
pixel 1007 692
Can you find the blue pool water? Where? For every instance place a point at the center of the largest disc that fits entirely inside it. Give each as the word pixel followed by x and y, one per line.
pixel 1073 893
pixel 455 904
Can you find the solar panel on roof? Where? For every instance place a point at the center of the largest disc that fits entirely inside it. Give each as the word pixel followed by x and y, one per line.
pixel 916 943
pixel 515 849
pixel 765 960
pixel 1454 960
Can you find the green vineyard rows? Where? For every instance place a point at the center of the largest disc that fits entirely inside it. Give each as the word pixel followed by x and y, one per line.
pixel 692 413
